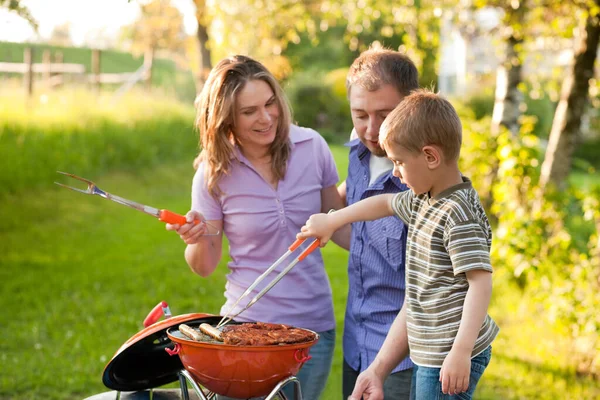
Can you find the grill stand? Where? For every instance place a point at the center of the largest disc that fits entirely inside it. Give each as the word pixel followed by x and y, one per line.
pixel 185 378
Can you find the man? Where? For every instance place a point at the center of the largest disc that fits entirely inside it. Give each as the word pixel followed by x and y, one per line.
pixel 377 81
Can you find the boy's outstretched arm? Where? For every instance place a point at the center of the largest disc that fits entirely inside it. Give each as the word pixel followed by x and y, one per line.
pixel 369 384
pixel 322 226
pixel 456 368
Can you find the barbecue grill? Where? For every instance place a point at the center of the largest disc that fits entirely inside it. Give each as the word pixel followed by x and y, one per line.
pixel 160 354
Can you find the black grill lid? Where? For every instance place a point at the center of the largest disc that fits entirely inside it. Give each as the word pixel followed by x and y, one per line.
pixel 142 362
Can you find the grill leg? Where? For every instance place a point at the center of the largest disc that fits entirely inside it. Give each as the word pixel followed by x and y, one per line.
pixel 184 378
pixel 280 385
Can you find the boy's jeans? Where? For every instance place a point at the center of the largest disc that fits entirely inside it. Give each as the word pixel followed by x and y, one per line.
pixel 426 383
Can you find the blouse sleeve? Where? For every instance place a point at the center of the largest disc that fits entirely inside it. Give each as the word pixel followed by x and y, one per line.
pixel 327 163
pixel 202 201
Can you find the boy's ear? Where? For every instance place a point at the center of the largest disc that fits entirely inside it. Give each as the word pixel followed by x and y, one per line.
pixel 433 156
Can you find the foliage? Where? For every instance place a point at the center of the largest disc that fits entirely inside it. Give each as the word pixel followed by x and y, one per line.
pixel 536 104
pixel 538 246
pixel 160 26
pixel 20 9
pixel 320 102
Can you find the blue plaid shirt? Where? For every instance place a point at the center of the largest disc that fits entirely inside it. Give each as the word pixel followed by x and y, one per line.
pixel 375 267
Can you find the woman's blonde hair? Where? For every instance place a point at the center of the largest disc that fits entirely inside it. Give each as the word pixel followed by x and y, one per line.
pixel 215 118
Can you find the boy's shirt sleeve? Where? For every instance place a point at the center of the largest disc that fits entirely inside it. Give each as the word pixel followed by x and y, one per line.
pixel 467 244
pixel 401 204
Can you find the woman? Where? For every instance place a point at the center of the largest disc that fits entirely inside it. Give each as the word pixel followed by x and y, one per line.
pixel 259 178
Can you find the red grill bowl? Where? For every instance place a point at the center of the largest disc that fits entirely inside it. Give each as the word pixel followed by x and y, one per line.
pixel 239 371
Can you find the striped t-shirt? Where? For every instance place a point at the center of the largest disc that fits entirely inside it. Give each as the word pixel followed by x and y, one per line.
pixel 448 235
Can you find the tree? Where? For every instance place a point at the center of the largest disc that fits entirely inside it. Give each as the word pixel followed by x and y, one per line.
pixel 508 99
pixel 573 101
pixel 205 65
pixel 159 26
pixel 17 7
pixel 61 35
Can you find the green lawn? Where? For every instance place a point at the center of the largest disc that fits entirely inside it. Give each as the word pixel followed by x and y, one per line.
pixel 79 274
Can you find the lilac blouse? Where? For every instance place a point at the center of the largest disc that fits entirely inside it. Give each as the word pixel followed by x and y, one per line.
pixel 261 223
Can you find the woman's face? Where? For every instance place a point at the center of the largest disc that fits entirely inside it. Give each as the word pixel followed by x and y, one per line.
pixel 256 115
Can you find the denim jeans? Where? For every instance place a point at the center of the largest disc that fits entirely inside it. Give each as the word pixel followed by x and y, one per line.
pixel 395 387
pixel 426 383
pixel 313 374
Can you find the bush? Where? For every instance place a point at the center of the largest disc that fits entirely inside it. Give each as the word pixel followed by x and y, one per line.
pixel 319 102
pixel 542 108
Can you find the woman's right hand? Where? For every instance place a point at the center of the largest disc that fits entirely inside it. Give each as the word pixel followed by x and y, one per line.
pixel 190 232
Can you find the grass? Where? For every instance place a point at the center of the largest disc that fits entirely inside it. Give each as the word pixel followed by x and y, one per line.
pixel 79 274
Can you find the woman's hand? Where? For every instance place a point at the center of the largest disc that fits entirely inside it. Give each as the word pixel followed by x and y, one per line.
pixel 190 232
pixel 318 226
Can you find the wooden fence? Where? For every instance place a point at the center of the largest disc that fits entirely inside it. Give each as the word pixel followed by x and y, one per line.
pixel 52 73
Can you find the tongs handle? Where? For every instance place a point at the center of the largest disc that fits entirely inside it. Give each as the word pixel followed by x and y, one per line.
pixel 173 218
pixel 228 317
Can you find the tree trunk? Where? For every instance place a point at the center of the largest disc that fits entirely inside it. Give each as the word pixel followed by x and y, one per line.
pixel 508 98
pixel 573 100
pixel 202 35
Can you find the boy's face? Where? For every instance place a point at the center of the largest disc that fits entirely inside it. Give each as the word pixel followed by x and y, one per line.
pixel 369 109
pixel 411 168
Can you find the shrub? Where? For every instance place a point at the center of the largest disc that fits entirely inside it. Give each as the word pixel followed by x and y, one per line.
pixel 319 102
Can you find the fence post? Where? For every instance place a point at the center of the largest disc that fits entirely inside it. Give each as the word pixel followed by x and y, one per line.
pixel 58 59
pixel 96 70
pixel 46 60
pixel 28 61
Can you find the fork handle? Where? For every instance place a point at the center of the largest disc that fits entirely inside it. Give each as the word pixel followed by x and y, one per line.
pixel 173 218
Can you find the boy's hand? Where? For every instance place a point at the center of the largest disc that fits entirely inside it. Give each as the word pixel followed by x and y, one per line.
pixel 455 372
pixel 369 386
pixel 317 226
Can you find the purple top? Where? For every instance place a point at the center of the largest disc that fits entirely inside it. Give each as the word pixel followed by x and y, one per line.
pixel 261 223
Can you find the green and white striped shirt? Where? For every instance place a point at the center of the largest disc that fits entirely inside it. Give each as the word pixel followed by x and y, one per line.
pixel 448 235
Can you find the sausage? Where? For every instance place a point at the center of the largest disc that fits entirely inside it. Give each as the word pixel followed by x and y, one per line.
pixel 211 331
pixel 190 332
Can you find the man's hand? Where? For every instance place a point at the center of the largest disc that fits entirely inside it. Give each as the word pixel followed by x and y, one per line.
pixel 369 386
pixel 455 372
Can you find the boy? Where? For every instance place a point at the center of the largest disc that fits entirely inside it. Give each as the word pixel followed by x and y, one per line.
pixel 377 81
pixel 444 319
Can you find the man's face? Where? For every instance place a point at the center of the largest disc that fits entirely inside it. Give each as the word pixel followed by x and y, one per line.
pixel 369 109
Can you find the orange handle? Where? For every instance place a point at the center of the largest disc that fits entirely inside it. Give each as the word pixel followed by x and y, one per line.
pixel 155 314
pixel 295 245
pixel 309 249
pixel 173 218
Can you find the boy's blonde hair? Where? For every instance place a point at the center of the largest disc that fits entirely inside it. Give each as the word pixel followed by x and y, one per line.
pixel 216 120
pixel 379 66
pixel 422 119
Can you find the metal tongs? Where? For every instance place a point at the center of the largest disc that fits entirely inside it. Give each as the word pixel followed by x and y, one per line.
pixel 163 215
pixel 228 317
